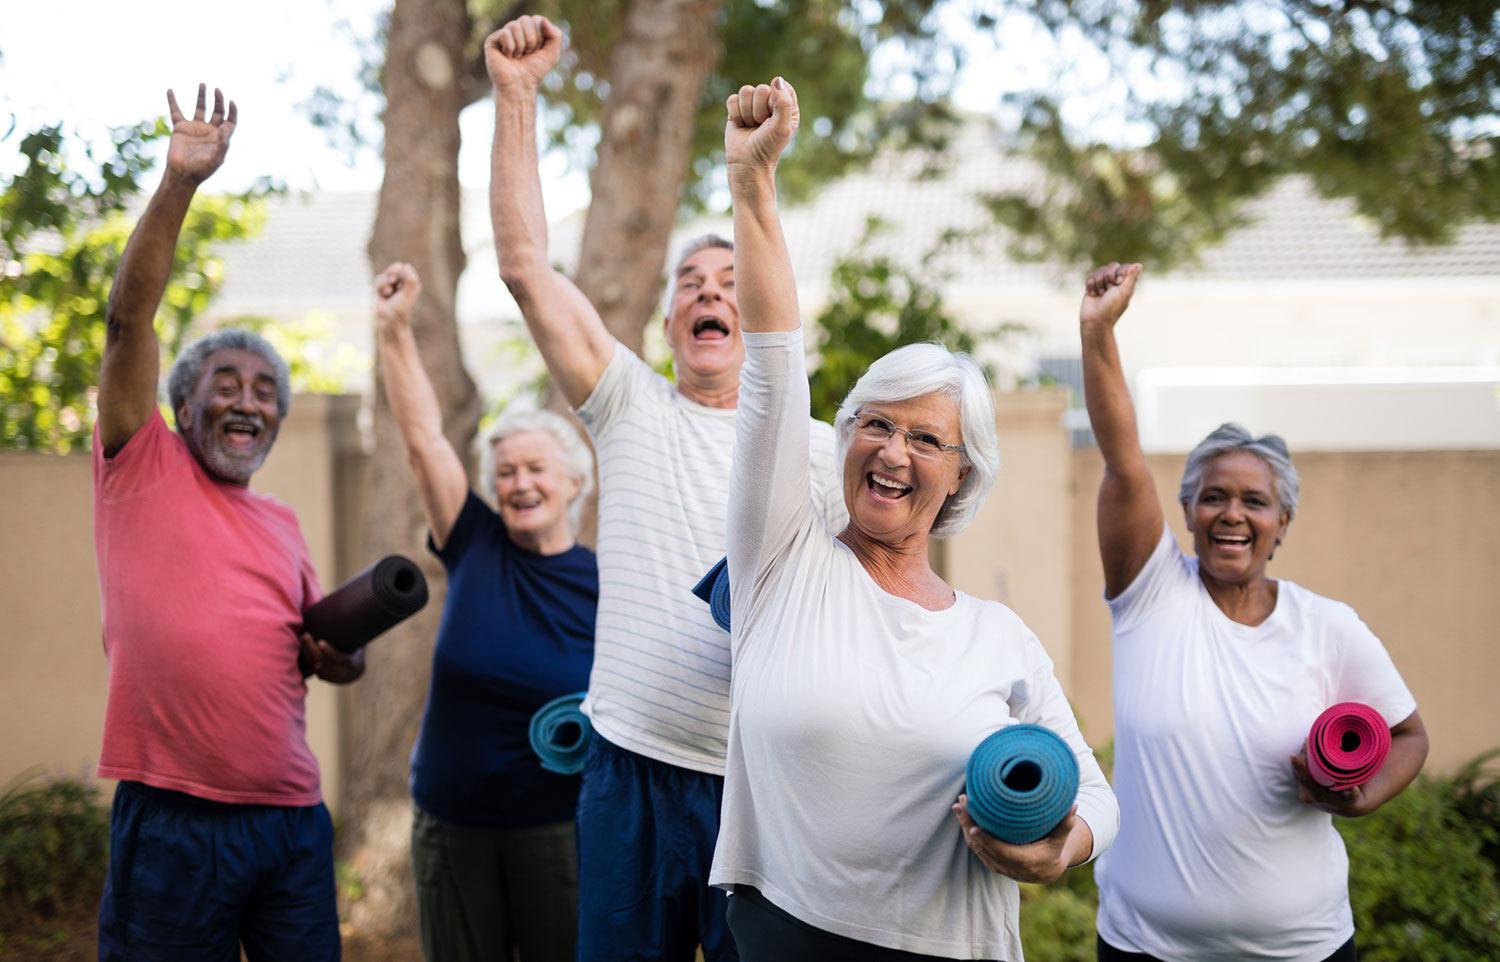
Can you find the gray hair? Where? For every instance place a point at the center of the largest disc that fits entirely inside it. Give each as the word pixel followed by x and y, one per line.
pixel 918 369
pixel 1230 437
pixel 187 370
pixel 700 243
pixel 577 459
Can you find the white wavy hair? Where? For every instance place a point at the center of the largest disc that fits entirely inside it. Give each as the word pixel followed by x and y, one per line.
pixel 928 368
pixel 577 459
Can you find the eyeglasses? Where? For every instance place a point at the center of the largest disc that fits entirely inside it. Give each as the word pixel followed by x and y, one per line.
pixel 920 444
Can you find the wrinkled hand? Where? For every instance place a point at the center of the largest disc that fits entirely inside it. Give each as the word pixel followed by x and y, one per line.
pixel 1107 292
pixel 522 52
pixel 761 123
pixel 328 663
pixel 1349 803
pixel 1041 861
pixel 396 290
pixel 199 146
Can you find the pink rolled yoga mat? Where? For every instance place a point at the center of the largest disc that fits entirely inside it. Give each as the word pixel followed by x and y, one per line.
pixel 1347 745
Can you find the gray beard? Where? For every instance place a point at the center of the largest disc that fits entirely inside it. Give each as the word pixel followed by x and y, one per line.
pixel 232 465
pixel 225 463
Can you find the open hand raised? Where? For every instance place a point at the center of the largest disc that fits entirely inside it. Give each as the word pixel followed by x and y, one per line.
pixel 761 123
pixel 522 52
pixel 396 290
pixel 1107 292
pixel 198 146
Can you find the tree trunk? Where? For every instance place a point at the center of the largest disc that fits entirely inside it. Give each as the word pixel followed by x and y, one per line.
pixel 417 221
pixel 666 52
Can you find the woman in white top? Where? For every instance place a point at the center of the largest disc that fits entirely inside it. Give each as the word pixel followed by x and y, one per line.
pixel 861 681
pixel 1228 850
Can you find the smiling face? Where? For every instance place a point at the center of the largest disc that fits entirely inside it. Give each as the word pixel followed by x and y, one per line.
pixel 533 490
pixel 231 417
pixel 893 496
pixel 703 323
pixel 1235 518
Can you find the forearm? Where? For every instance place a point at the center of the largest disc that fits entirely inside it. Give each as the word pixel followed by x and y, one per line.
pixel 131 363
pixel 764 282
pixel 146 262
pixel 414 403
pixel 1107 397
pixel 1080 845
pixel 517 213
pixel 1408 752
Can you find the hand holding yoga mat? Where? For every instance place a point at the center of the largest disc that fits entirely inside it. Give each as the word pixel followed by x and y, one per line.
pixel 714 589
pixel 373 601
pixel 1022 781
pixel 1347 745
pixel 560 734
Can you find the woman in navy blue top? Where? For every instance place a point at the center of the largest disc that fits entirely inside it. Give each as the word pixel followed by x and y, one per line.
pixel 492 833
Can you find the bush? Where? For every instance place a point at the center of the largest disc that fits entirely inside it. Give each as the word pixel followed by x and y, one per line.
pixel 54 847
pixel 1418 881
pixel 1057 920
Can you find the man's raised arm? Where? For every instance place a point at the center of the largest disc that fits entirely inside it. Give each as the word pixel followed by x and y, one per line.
pixel 128 373
pixel 566 327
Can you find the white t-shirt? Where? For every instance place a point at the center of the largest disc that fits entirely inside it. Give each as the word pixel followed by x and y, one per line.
pixel 854 713
pixel 660 681
pixel 1217 859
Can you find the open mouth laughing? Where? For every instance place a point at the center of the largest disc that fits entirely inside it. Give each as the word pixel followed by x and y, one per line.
pixel 709 328
pixel 886 488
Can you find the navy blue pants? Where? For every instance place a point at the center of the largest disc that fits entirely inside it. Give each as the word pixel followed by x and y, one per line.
pixel 646 833
pixel 191 879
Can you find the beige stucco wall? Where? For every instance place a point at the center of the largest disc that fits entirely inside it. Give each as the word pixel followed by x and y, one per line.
pixel 1411 540
pixel 52 667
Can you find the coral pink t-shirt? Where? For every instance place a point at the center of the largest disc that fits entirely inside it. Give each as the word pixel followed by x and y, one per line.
pixel 201 588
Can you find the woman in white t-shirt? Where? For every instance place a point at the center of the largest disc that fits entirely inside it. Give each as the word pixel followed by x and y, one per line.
pixel 860 680
pixel 1227 850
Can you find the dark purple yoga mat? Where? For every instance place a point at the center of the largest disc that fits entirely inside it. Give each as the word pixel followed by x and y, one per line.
pixel 373 601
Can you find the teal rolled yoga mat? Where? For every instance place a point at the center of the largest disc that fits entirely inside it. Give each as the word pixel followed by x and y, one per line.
pixel 560 734
pixel 1021 782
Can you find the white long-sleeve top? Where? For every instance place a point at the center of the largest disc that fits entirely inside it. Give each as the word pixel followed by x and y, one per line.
pixel 853 712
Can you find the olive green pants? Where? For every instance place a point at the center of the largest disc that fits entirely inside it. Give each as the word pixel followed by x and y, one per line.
pixel 495 894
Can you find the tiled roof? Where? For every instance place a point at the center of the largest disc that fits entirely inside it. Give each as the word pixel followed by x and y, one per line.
pixel 311 255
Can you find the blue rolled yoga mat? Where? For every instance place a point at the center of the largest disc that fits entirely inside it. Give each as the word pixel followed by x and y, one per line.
pixel 714 589
pixel 560 734
pixel 1022 781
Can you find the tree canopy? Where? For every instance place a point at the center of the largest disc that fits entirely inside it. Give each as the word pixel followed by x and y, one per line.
pixel 1392 103
pixel 63 225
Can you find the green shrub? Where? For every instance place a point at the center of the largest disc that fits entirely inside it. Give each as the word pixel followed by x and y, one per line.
pixel 1057 920
pixel 54 846
pixel 1420 887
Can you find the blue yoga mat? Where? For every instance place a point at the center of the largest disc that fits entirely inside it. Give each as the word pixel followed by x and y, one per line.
pixel 714 589
pixel 560 734
pixel 1022 781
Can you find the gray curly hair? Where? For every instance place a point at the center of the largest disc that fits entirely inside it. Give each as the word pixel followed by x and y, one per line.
pixel 187 370
pixel 1270 448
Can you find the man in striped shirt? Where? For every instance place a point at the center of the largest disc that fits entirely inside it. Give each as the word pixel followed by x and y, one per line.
pixel 659 692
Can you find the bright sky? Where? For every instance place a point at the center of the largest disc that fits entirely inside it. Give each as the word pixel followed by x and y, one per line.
pixel 94 64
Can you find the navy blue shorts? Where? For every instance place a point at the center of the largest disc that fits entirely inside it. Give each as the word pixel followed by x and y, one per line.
pixel 646 833
pixel 191 879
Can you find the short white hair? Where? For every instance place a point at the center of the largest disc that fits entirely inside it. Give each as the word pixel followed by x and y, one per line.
pixel 577 459
pixel 929 368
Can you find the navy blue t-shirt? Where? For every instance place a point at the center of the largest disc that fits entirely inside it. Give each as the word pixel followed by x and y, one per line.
pixel 517 631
